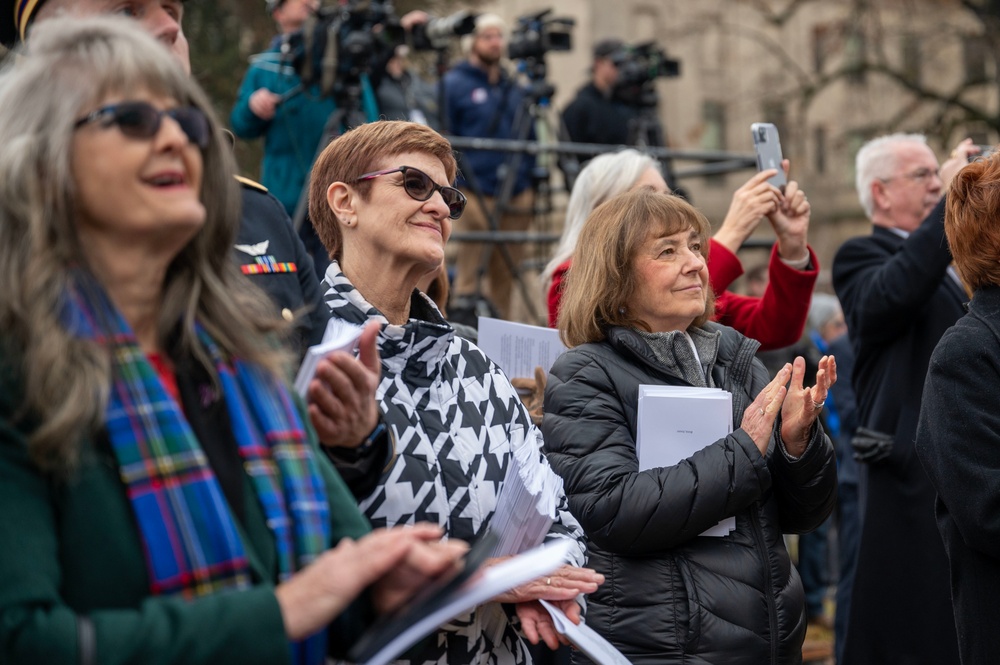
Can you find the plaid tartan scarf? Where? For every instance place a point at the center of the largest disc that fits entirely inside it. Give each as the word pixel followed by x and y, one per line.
pixel 192 545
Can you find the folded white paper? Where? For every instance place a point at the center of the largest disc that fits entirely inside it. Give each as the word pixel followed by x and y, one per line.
pixel 493 581
pixel 526 507
pixel 339 336
pixel 585 639
pixel 675 422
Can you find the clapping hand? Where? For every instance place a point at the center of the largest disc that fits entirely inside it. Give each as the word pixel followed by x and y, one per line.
pixel 802 405
pixel 341 396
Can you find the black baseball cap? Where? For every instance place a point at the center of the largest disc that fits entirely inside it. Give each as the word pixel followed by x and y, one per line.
pixel 15 15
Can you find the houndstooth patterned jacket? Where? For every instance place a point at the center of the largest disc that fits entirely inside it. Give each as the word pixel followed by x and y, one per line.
pixel 456 419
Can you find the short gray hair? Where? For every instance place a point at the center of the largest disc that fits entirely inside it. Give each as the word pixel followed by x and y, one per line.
pixel 877 159
pixel 604 177
pixel 823 309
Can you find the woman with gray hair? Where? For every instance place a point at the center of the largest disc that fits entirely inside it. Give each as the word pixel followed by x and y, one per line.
pixel 162 497
pixel 776 320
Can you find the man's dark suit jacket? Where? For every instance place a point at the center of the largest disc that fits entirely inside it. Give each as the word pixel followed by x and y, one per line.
pixel 898 299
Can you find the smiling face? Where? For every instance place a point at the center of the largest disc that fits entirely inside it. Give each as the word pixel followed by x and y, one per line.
pixel 394 228
pixel 672 278
pixel 131 192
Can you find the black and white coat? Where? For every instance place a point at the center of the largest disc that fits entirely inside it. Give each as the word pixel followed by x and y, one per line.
pixel 456 420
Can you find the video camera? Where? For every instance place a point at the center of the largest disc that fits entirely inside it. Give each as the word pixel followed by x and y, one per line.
pixel 338 45
pixel 638 67
pixel 436 33
pixel 536 34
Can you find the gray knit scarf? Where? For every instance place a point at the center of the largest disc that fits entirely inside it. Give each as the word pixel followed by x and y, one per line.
pixel 673 350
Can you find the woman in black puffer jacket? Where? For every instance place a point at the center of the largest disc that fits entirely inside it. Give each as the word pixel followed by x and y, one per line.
pixel 635 312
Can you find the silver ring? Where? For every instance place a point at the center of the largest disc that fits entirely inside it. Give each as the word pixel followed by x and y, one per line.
pixel 548 581
pixel 818 405
pixel 761 410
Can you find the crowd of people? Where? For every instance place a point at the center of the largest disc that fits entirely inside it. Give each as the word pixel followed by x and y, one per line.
pixel 167 498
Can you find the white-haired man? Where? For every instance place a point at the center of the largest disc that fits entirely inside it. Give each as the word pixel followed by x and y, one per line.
pixel 898 295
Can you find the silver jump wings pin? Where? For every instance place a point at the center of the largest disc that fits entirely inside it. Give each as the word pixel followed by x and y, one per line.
pixel 254 250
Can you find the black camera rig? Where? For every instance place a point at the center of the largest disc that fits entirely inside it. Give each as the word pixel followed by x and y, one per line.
pixel 639 66
pixel 339 45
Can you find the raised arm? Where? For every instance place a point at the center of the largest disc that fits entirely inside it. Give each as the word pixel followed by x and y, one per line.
pixel 881 291
pixel 777 319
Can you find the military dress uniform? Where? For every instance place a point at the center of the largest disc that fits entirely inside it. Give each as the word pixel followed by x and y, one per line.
pixel 272 256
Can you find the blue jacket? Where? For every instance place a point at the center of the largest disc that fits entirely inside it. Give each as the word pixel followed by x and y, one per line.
pixel 292 136
pixel 473 108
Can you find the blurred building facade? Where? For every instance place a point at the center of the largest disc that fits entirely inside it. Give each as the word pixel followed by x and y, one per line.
pixel 829 74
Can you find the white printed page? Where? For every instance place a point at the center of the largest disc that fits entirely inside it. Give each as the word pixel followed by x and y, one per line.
pixel 675 422
pixel 517 347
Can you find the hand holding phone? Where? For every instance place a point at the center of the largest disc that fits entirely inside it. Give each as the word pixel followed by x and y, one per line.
pixel 768 148
pixel 985 152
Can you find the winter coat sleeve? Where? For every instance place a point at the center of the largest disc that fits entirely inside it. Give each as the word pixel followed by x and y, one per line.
pixel 882 293
pixel 624 510
pixel 957 438
pixel 242 120
pixel 776 319
pixel 724 267
pixel 805 487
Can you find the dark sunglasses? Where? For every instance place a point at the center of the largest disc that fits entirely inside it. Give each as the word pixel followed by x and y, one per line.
pixel 141 120
pixel 420 187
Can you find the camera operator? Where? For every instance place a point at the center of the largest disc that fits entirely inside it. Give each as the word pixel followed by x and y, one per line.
pixel 273 104
pixel 404 95
pixel 595 116
pixel 482 100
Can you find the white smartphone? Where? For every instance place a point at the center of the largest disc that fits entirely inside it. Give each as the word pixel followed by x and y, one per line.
pixel 768 148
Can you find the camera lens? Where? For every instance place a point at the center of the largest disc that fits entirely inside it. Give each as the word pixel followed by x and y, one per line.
pixel 761 134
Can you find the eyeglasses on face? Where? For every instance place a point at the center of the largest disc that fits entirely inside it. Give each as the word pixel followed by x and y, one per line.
pixel 918 176
pixel 141 120
pixel 420 187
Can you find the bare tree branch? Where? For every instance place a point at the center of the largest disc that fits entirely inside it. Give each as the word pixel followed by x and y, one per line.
pixel 782 16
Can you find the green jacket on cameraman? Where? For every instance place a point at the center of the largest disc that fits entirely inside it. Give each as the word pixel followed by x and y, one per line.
pixel 292 137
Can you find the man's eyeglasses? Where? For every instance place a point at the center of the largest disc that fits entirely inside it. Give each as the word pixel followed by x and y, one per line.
pixel 918 176
pixel 141 120
pixel 420 187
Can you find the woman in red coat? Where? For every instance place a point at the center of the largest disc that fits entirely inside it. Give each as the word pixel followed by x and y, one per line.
pixel 777 318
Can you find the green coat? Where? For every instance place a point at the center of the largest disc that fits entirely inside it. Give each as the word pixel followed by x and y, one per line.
pixel 73 548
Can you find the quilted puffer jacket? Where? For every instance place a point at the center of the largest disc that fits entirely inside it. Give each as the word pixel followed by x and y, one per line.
pixel 670 595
